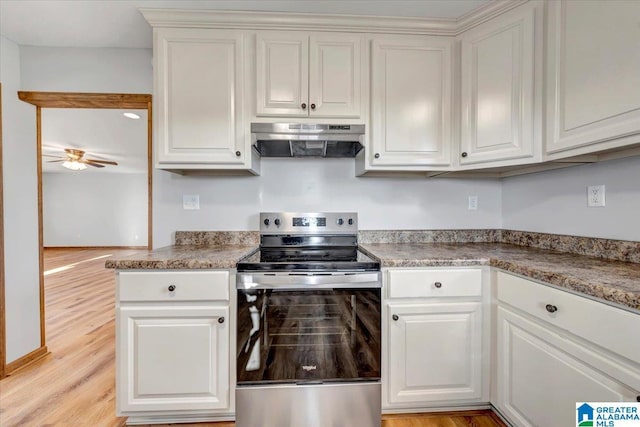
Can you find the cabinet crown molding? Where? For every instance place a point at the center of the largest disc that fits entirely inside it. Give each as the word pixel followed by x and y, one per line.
pixel 176 18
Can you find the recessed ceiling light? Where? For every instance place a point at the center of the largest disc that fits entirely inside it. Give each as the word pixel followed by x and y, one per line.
pixel 133 116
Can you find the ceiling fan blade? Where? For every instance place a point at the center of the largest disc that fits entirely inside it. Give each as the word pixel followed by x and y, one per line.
pixel 56 161
pixel 106 162
pixel 90 163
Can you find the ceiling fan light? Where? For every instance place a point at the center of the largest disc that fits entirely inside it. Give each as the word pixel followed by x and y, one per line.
pixel 133 116
pixel 74 165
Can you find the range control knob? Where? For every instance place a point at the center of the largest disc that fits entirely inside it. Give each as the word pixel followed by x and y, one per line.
pixel 277 222
pixel 340 221
pixel 266 221
pixel 350 221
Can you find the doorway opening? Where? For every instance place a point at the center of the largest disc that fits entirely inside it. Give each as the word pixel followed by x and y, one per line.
pixel 71 154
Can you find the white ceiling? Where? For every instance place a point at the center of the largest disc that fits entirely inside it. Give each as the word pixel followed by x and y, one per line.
pixel 103 134
pixel 118 23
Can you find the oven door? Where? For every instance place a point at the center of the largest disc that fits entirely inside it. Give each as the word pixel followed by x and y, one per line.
pixel 308 329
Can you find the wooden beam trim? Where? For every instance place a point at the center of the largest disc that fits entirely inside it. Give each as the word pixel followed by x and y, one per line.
pixel 86 100
pixel 40 224
pixel 26 360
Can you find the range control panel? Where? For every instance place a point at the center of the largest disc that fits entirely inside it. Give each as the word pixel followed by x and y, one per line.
pixel 308 223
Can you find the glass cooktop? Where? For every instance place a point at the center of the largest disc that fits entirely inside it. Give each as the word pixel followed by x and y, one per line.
pixel 308 258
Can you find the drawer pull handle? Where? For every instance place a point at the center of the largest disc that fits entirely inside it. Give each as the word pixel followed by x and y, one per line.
pixel 172 288
pixel 438 285
pixel 395 317
pixel 220 320
pixel 551 308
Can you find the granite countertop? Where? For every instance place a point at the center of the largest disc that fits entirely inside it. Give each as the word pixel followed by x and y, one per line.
pixel 614 281
pixel 183 257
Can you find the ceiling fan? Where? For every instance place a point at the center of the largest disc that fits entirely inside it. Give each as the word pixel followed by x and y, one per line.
pixel 75 160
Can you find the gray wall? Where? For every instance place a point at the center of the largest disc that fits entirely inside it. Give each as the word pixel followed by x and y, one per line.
pixel 556 201
pixel 20 207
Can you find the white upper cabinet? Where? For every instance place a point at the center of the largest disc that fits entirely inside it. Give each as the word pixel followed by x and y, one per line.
pixel 199 90
pixel 410 102
pixel 308 75
pixel 498 80
pixel 593 76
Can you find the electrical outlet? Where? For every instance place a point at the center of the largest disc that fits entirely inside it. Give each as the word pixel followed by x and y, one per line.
pixel 473 203
pixel 595 196
pixel 191 202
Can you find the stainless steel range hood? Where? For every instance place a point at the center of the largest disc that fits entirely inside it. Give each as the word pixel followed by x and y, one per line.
pixel 307 140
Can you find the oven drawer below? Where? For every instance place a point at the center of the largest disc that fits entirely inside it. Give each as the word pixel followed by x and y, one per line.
pixel 409 283
pixel 173 286
pixel 336 404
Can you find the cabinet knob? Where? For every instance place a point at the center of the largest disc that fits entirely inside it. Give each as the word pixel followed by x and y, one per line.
pixel 438 285
pixel 221 320
pixel 464 154
pixel 313 106
pixel 551 308
pixel 172 288
pixel 304 106
pixel 238 153
pixel 377 155
pixel 395 317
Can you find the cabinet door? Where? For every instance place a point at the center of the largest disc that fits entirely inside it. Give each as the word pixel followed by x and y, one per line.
pixel 411 101
pixel 498 89
pixel 335 75
pixel 199 93
pixel 539 381
pixel 173 358
pixel 594 74
pixel 434 353
pixel 282 71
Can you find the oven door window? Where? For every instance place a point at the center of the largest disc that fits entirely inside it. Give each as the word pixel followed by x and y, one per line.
pixel 308 336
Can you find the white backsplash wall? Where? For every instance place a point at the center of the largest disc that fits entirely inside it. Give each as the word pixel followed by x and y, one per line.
pixel 556 201
pixel 233 203
pixel 94 209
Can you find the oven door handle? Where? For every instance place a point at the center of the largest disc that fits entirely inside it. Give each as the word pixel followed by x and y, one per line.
pixel 316 281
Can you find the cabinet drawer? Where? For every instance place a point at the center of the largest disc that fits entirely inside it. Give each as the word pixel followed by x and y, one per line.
pixel 187 286
pixel 434 283
pixel 611 328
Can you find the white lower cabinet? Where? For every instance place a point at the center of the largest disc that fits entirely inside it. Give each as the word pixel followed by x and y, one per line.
pixel 433 348
pixel 549 357
pixel 174 358
pixel 435 352
pixel 540 379
pixel 173 346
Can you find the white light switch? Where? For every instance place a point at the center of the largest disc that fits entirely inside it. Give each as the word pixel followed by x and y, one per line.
pixel 191 201
pixel 473 203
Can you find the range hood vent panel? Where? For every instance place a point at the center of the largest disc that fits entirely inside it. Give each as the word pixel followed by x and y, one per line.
pixel 307 140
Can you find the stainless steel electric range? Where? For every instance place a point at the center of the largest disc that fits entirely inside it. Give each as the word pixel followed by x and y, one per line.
pixel 308 325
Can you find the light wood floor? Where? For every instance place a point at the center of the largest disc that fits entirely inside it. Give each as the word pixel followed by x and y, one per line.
pixel 74 385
